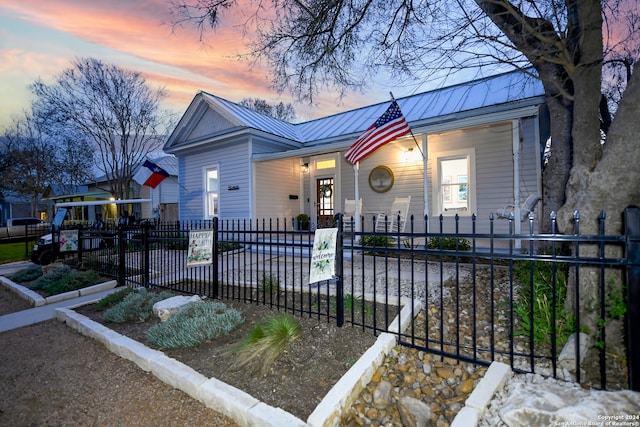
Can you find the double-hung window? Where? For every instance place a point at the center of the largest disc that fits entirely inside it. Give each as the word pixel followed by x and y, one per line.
pixel 212 185
pixel 455 183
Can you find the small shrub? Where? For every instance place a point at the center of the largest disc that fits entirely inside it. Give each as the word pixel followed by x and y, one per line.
pixel 114 298
pixel 28 274
pixel 449 243
pixel 224 246
pixel 377 241
pixel 51 280
pixel 266 341
pixel 547 314
pixel 73 281
pixel 135 307
pixel 194 324
pixel 269 283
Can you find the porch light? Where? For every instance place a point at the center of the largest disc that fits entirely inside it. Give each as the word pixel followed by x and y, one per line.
pixel 410 155
pixel 304 168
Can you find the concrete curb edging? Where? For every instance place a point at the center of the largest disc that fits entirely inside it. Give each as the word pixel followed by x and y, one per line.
pixel 38 300
pixel 349 386
pixel 33 297
pixel 479 399
pixel 213 393
pixel 230 401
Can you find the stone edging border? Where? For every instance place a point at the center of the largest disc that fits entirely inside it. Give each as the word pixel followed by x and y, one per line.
pixel 239 405
pixel 38 300
pixel 248 411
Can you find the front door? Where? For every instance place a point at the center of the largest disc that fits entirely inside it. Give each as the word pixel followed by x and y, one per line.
pixel 325 202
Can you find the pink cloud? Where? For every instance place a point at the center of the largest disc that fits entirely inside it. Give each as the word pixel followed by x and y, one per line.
pixel 137 35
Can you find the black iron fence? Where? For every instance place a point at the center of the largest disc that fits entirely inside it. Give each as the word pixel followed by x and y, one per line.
pixel 537 302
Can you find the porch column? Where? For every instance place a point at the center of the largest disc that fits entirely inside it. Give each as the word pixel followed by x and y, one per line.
pixel 515 132
pixel 425 162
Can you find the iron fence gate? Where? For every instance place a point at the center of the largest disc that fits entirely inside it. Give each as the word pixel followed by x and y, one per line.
pixel 476 297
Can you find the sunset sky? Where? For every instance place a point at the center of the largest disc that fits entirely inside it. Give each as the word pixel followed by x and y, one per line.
pixel 40 38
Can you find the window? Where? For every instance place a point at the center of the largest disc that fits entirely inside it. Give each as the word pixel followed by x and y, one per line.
pixel 325 164
pixel 212 186
pixel 454 186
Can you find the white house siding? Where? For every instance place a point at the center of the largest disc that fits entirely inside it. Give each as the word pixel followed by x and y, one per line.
pixel 277 183
pixel 233 162
pixel 493 172
pixel 211 122
pixel 408 181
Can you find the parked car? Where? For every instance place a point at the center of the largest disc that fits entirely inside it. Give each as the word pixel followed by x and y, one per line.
pixel 22 227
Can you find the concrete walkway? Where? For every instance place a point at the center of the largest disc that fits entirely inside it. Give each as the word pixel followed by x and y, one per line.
pixel 47 312
pixel 44 308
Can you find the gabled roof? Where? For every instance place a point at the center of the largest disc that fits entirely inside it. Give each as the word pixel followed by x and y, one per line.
pixel 491 94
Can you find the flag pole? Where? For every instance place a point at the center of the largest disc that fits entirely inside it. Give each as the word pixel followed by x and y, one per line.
pixel 424 170
pixel 356 167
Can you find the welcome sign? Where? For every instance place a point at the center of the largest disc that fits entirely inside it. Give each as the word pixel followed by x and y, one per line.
pixel 323 256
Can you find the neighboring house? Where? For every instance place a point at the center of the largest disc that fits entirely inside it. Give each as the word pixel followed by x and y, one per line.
pixel 14 206
pixel 163 204
pixel 484 143
pixel 164 198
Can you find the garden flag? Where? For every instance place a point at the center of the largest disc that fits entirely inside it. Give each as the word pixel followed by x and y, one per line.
pixel 323 255
pixel 150 174
pixel 389 126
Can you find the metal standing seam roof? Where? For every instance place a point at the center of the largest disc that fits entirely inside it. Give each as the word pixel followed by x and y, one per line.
pixel 486 92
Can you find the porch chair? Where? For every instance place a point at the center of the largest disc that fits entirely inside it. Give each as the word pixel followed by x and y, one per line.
pixel 349 215
pixel 395 220
pixel 527 206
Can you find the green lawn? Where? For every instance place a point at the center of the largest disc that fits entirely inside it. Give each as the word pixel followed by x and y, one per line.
pixel 12 252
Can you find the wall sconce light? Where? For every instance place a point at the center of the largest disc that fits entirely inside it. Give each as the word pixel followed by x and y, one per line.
pixel 304 168
pixel 410 155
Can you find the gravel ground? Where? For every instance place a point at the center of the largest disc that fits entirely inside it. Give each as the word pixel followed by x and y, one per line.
pixel 53 376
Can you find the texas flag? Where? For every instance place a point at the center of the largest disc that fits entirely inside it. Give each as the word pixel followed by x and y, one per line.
pixel 150 174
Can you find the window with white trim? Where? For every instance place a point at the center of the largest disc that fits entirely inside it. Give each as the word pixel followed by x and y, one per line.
pixel 455 184
pixel 212 192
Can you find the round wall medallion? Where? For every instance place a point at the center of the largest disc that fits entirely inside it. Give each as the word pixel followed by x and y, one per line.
pixel 381 179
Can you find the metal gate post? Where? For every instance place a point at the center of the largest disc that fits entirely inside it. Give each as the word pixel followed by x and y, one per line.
pixel 339 275
pixel 122 255
pixel 146 253
pixel 214 258
pixel 632 233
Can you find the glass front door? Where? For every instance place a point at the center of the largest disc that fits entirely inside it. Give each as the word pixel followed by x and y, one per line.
pixel 325 202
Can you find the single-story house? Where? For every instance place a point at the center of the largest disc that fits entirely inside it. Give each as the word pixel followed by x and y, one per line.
pixel 161 202
pixel 474 148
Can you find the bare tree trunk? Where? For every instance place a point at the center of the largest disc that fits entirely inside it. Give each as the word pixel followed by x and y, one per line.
pixel 610 187
pixel 556 172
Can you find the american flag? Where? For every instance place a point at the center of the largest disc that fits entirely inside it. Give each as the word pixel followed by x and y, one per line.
pixel 389 126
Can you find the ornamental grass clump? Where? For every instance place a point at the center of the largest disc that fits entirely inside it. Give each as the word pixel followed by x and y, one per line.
pixel 266 341
pixel 194 324
pixel 28 274
pixel 135 307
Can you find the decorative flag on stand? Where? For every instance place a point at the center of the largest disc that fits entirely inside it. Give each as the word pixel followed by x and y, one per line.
pixel 150 174
pixel 389 126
